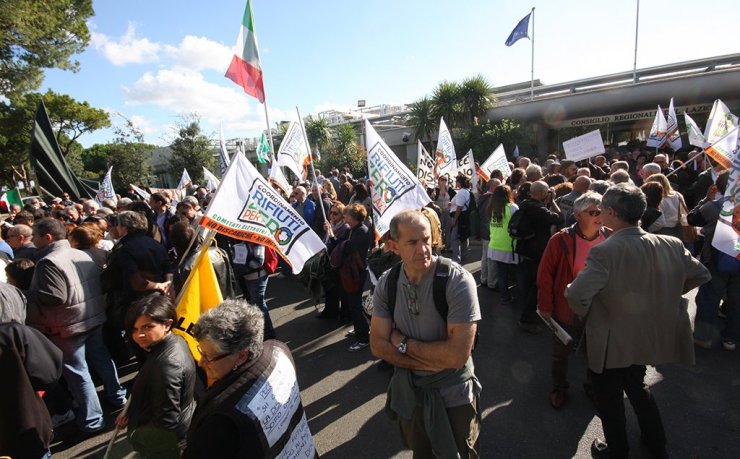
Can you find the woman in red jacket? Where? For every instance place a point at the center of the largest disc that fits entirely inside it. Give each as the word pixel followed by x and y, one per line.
pixel 564 257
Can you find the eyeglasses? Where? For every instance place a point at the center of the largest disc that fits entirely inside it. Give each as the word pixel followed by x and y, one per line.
pixel 594 213
pixel 334 212
pixel 207 359
pixel 411 299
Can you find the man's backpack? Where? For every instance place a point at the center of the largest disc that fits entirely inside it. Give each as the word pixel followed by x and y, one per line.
pixel 439 289
pixel 520 226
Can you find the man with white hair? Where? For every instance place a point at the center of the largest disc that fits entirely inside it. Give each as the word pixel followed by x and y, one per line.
pixel 533 173
pixel 584 172
pixel 304 207
pixel 89 207
pixel 649 169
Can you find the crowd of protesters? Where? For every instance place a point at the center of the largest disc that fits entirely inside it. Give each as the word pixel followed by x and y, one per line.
pixel 91 285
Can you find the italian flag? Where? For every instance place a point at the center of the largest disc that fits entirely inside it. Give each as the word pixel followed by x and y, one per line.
pixel 245 69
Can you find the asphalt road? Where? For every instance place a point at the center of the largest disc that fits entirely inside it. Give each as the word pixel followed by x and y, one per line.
pixel 344 393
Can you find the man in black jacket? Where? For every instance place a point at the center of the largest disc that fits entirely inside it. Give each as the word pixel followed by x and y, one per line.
pixel 541 213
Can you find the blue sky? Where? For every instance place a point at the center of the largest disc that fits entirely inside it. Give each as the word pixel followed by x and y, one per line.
pixel 153 61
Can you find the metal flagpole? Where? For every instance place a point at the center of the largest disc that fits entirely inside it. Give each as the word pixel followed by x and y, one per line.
pixel 531 82
pixel 269 131
pixel 313 171
pixel 637 23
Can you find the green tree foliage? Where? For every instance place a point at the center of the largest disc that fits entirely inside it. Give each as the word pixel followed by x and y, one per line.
pixel 345 151
pixel 423 120
pixel 318 132
pixel 129 156
pixel 446 102
pixel 37 35
pixel 191 150
pixel 69 118
pixel 485 137
pixel 476 98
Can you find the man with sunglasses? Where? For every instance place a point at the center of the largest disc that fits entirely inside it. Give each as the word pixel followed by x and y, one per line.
pixel 431 353
pixel 630 293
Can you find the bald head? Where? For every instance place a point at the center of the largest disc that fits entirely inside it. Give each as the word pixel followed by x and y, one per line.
pixel 539 190
pixel 581 184
pixel 493 184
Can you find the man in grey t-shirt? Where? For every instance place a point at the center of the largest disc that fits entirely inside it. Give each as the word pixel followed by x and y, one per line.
pixel 432 355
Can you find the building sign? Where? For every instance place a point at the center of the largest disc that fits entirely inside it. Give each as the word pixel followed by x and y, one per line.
pixel 631 116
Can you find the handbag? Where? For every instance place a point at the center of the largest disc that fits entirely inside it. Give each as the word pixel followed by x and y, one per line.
pixel 688 232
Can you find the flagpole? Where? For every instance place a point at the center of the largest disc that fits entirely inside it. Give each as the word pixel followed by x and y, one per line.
pixel 310 155
pixel 531 81
pixel 637 23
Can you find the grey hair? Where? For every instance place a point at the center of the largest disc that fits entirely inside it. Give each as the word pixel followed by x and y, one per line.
pixel 232 326
pixel 407 217
pixel 652 168
pixel 587 199
pixel 627 201
pixel 620 176
pixel 20 230
pixel 599 186
pixel 533 169
pixel 133 220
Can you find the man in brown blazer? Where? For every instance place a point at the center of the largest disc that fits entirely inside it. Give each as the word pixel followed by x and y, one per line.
pixel 631 295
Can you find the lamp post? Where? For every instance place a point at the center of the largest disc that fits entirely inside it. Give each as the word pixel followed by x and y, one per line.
pixel 361 105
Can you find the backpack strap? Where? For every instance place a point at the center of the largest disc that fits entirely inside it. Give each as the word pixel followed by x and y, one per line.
pixel 392 287
pixel 439 286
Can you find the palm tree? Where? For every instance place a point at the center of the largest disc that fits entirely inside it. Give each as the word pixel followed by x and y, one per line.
pixel 446 102
pixel 318 133
pixel 476 98
pixel 423 120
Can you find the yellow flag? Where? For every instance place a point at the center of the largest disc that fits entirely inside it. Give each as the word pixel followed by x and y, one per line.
pixel 201 293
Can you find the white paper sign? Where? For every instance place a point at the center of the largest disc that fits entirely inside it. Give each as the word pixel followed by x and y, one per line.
pixel 584 146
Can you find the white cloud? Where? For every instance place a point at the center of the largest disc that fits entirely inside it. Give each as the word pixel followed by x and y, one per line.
pixel 143 124
pixel 128 49
pixel 198 53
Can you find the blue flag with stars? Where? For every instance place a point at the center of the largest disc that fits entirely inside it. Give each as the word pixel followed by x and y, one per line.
pixel 520 31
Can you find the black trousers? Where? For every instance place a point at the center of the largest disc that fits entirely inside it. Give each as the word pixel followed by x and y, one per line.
pixel 608 387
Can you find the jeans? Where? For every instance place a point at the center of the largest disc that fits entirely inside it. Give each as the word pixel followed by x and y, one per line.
pixel 458 245
pixel 256 290
pixel 75 350
pixel 362 328
pixel 526 276
pixel 707 304
pixel 488 275
pixel 502 272
pixel 608 388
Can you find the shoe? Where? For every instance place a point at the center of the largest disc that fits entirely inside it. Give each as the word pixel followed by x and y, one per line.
pixel 81 435
pixel 704 344
pixel 728 345
pixel 350 333
pixel 599 448
pixel 325 315
pixel 357 345
pixel 557 398
pixel 531 327
pixel 59 420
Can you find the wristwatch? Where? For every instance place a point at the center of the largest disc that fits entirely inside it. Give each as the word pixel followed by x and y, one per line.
pixel 402 346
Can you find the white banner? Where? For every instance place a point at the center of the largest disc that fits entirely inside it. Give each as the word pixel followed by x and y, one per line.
pixel 140 192
pixel 293 153
pixel 246 207
pixel 497 160
pixel 657 135
pixel 696 137
pixel 393 187
pixel 723 149
pixel 584 146
pixel 223 154
pixel 106 190
pixel 424 166
pixel 445 158
pixel 727 233
pixel 466 167
pixel 278 178
pixel 182 187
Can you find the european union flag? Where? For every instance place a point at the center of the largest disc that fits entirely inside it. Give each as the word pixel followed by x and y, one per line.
pixel 520 31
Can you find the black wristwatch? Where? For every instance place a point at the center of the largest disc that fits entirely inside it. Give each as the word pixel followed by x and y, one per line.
pixel 402 346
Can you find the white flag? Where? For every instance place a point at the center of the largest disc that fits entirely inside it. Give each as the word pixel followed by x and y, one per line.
pixel 727 233
pixel 696 138
pixel 719 123
pixel 140 192
pixel 658 130
pixel 293 153
pixel 223 156
pixel 516 152
pixel 106 190
pixel 246 207
pixel 185 183
pixel 392 185
pixel 445 158
pixel 424 165
pixel 211 180
pixel 672 131
pixel 497 160
pixel 723 150
pixel 278 178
